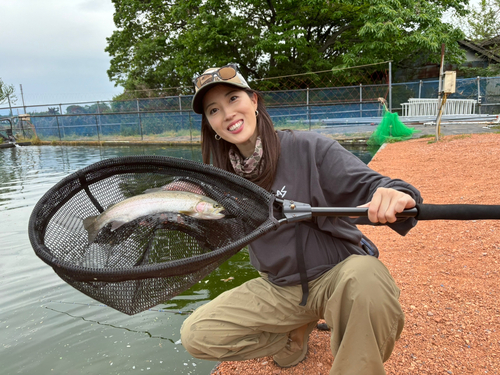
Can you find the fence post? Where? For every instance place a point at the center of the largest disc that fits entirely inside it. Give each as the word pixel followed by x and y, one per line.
pixel 180 111
pixel 97 127
pixel 190 128
pixel 22 97
pixel 479 94
pixel 22 127
pixel 60 112
pixel 308 109
pixel 140 119
pixel 99 116
pixel 58 129
pixel 390 86
pixel 360 100
pixel 441 74
pixel 420 88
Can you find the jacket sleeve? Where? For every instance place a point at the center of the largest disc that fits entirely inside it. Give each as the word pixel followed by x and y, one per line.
pixel 348 182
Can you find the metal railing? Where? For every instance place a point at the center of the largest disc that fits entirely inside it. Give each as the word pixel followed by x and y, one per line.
pixel 430 107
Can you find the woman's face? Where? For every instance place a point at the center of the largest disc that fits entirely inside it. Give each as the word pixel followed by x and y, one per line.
pixel 231 114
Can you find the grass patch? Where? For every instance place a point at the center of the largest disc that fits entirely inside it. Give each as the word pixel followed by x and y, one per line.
pixel 174 134
pixel 165 136
pixel 35 140
pixel 296 125
pixel 461 136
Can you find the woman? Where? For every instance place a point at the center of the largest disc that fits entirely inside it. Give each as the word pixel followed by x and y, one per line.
pixel 310 271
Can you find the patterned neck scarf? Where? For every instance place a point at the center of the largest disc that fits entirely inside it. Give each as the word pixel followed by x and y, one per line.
pixel 250 167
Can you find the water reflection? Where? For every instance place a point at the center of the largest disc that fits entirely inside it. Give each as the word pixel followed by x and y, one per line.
pixel 46 164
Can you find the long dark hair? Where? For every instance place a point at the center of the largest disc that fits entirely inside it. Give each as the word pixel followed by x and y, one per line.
pixel 217 151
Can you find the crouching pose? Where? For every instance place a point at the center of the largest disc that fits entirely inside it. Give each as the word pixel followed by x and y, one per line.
pixel 323 269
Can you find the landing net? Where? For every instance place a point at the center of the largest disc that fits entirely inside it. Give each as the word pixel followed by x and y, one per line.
pixel 155 257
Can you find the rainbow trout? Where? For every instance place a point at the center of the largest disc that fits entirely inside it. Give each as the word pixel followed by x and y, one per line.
pixel 190 204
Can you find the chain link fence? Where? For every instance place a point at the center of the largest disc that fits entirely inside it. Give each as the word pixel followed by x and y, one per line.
pixel 484 90
pixel 331 98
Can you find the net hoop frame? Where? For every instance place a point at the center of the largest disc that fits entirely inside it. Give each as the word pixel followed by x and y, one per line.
pixel 132 164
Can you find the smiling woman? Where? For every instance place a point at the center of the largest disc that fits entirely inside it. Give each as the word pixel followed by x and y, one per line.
pixel 274 314
pixel 232 114
pixel 228 105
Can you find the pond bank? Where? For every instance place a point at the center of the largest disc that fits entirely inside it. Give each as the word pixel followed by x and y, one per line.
pixel 356 141
pixel 351 136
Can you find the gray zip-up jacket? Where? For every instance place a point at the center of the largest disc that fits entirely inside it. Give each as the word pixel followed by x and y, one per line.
pixel 316 170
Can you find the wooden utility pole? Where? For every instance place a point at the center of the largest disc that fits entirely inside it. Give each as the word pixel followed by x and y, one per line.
pixel 440 91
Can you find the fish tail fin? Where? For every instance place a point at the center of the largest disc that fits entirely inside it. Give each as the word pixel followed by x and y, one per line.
pixel 88 224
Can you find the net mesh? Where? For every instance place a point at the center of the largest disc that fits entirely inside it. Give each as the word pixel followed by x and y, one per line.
pixel 390 129
pixel 154 257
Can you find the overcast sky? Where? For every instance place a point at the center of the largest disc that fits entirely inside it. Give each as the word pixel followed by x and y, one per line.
pixel 55 49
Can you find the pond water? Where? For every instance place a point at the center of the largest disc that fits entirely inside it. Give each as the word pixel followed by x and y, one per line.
pixel 46 326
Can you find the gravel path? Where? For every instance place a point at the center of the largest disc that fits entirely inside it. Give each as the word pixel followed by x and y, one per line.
pixel 448 271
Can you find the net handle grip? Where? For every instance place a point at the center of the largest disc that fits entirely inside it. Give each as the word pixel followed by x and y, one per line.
pixel 457 212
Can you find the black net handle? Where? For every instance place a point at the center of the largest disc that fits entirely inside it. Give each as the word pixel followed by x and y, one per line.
pixel 426 212
pixel 457 212
pixel 296 211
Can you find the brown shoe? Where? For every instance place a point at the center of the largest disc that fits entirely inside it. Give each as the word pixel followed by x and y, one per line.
pixel 294 351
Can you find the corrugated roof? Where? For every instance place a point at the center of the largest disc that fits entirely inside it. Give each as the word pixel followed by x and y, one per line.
pixel 480 50
pixel 490 42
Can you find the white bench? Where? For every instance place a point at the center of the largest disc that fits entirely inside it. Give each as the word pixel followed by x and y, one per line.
pixel 430 107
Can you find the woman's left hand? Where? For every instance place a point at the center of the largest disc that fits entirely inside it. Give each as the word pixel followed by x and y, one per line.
pixel 386 203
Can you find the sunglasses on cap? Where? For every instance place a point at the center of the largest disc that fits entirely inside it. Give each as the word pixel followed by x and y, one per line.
pixel 224 73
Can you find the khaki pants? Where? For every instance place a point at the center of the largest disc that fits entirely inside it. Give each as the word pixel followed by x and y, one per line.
pixel 358 298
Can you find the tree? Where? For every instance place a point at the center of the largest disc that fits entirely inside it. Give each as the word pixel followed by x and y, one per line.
pixel 7 93
pixel 164 44
pixel 483 22
pixel 481 25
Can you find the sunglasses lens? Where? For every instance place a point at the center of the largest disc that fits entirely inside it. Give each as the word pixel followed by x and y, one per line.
pixel 224 73
pixel 227 72
pixel 204 79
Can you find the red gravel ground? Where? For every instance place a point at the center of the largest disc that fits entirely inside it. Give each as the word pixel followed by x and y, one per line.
pixel 448 271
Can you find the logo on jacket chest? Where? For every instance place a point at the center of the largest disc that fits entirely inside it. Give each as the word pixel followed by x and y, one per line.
pixel 281 193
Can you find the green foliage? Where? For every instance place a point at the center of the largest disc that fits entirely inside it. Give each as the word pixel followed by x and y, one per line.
pixel 163 45
pixel 482 26
pixel 7 92
pixel 483 23
pixel 491 70
pixel 86 109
